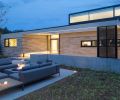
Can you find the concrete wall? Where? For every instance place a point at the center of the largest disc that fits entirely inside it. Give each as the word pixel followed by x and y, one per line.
pixel 70 44
pixel 94 63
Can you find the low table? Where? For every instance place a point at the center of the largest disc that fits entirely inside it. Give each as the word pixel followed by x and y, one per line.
pixel 11 83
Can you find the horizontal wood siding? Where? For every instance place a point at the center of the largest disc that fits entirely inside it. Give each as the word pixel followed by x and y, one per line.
pixel 70 44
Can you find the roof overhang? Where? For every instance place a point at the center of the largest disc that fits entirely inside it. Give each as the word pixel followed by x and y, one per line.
pixel 75 28
pixel 92 26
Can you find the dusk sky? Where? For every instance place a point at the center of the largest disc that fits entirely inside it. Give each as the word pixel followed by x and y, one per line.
pixel 36 14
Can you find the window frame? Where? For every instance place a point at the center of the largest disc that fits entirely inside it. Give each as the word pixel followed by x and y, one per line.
pixel 118 44
pixel 9 42
pixel 89 41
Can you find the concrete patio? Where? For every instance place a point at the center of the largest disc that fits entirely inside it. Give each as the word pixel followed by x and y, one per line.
pixel 14 94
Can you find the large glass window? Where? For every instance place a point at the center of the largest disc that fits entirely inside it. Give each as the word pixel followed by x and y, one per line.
pixel 79 17
pixel 117 11
pixel 100 14
pixel 95 14
pixel 10 42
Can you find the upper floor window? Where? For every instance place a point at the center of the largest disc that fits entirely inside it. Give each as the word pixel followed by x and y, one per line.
pixel 79 17
pixel 117 11
pixel 102 13
pixel 10 42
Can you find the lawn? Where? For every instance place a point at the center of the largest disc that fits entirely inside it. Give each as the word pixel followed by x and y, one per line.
pixel 84 85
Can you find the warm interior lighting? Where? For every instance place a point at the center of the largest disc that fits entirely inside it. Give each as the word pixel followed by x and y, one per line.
pixel 27 55
pixel 56 36
pixel 79 18
pixel 117 11
pixel 54 46
pixel 6 43
pixel 94 15
pixel 10 42
pixel 86 43
pixel 100 14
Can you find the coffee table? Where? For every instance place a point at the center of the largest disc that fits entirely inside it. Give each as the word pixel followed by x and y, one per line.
pixel 11 83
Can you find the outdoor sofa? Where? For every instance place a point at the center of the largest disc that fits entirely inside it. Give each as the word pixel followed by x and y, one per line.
pixel 6 63
pixel 3 75
pixel 15 70
pixel 34 73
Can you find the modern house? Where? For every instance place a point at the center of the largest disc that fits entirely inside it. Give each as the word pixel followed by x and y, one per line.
pixel 93 33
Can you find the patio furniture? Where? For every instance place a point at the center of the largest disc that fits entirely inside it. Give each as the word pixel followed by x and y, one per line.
pixel 31 75
pixel 27 67
pixel 3 75
pixel 8 83
pixel 19 61
pixel 6 63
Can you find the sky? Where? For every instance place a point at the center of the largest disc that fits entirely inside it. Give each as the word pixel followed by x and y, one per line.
pixel 37 14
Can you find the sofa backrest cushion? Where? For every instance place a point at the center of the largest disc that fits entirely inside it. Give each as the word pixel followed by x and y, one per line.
pixel 5 61
pixel 45 64
pixel 37 66
pixel 35 58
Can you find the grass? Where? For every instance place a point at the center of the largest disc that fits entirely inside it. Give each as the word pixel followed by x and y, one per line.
pixel 84 85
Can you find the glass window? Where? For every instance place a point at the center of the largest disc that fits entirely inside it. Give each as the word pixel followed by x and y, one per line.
pixel 79 17
pixel 100 14
pixel 94 43
pixel 10 43
pixel 6 43
pixel 89 43
pixel 117 11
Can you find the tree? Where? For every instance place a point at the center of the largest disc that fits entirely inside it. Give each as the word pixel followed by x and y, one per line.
pixel 3 11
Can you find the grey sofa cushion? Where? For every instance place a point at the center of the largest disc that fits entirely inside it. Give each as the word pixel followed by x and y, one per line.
pixel 41 58
pixel 3 75
pixel 5 61
pixel 15 76
pixel 7 66
pixel 37 66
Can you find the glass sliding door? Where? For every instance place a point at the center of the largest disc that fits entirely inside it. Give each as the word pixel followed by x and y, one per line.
pixel 54 44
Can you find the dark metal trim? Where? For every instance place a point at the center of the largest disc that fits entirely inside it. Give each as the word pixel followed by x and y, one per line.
pixel 98 20
pixel 113 6
pixel 116 51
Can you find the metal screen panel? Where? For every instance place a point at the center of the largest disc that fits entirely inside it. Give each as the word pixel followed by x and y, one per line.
pixel 107 41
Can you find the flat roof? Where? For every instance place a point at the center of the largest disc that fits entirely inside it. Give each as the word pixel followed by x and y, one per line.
pixel 89 26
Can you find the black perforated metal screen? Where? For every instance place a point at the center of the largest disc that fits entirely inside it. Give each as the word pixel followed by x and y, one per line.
pixel 107 41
